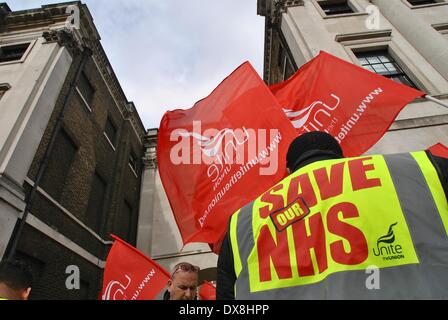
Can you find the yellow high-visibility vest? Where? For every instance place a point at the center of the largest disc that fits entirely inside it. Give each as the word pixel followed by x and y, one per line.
pixel 354 228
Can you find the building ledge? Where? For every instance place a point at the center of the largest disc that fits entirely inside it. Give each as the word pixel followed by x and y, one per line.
pixel 363 35
pixel 419 123
pixel 12 193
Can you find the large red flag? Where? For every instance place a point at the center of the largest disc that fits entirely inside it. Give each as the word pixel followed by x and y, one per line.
pixel 130 275
pixel 439 150
pixel 352 104
pixel 221 154
pixel 207 291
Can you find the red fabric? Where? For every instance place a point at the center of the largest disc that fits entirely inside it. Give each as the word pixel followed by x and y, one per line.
pixel 202 206
pixel 354 105
pixel 130 275
pixel 439 150
pixel 207 291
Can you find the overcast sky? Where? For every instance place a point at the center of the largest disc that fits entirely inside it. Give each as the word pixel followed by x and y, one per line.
pixel 168 54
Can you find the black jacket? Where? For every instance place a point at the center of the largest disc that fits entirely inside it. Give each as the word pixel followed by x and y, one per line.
pixel 226 271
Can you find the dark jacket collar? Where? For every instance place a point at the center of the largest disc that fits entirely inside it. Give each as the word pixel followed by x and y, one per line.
pixel 312 156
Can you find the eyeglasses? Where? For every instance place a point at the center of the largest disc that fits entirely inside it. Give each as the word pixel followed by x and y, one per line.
pixel 186 267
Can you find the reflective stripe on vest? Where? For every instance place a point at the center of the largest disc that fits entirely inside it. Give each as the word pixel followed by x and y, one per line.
pixel 386 216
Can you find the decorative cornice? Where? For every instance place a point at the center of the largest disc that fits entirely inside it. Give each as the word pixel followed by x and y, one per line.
pixel 276 8
pixel 64 38
pixel 53 17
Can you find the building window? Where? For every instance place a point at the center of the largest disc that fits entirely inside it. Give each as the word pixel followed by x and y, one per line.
pixel 421 2
pixel 333 7
pixel 110 131
pixel 442 28
pixel 95 207
pixel 3 89
pixel 58 165
pixel 13 52
pixel 383 63
pixel 133 163
pixel 126 222
pixel 86 89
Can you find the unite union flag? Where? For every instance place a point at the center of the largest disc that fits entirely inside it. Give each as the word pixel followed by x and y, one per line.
pixel 130 275
pixel 354 105
pixel 221 154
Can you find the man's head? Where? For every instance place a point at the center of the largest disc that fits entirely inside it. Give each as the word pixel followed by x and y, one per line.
pixel 183 282
pixel 15 280
pixel 310 147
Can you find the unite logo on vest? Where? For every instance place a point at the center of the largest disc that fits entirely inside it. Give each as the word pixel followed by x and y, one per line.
pixel 388 250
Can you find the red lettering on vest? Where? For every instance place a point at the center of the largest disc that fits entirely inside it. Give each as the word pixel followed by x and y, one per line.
pixel 358 170
pixel 330 187
pixel 304 243
pixel 275 251
pixel 274 201
pixel 358 243
pixel 301 186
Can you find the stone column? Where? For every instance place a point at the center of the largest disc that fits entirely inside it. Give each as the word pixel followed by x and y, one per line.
pixel 147 196
pixel 425 39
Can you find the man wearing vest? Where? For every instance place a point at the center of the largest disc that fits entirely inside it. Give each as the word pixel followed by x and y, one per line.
pixel 371 227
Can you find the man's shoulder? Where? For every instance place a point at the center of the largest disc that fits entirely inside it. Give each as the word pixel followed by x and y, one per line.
pixel 441 166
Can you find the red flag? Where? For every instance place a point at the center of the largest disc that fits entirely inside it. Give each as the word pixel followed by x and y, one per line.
pixel 130 275
pixel 221 154
pixel 354 105
pixel 439 150
pixel 207 291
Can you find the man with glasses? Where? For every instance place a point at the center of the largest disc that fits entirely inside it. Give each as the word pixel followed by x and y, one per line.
pixel 183 282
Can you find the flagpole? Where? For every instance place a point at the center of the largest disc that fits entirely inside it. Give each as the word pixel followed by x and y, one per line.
pixel 437 101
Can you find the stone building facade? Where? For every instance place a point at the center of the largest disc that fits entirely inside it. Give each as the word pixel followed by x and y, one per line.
pixel 158 234
pixel 406 40
pixel 71 149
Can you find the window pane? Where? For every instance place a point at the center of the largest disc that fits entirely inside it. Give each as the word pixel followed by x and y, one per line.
pixel 110 131
pixel 133 161
pixel 13 53
pixel 96 202
pixel 363 61
pixel 373 60
pixel 390 67
pixel 382 63
pixel 86 88
pixel 59 165
pixel 3 89
pixel 379 68
pixel 335 8
pixel 421 2
pixel 384 58
pixel 369 68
